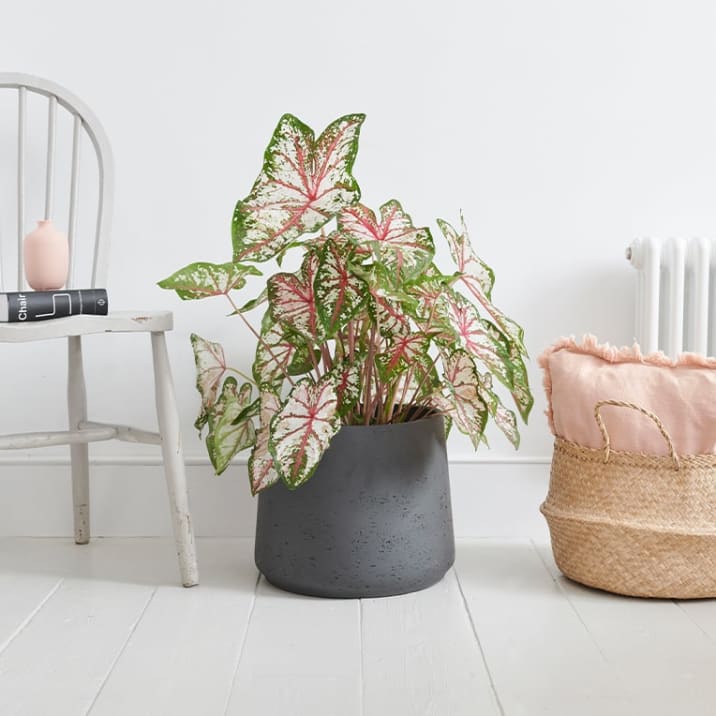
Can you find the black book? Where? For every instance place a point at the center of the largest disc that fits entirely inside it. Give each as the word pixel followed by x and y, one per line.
pixel 20 306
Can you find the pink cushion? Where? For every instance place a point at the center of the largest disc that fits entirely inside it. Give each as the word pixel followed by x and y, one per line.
pixel 682 393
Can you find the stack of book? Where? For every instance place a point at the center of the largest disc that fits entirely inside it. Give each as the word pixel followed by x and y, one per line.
pixel 20 306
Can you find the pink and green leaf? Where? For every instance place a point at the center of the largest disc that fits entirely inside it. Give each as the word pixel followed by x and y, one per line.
pixel 304 182
pixel 521 393
pixel 302 430
pixel 278 354
pixel 338 293
pixel 464 403
pixel 404 249
pixel 203 279
pixel 478 337
pixel 348 385
pixel 468 263
pixel 293 302
pixel 210 369
pixel 478 278
pixel 228 435
pixel 262 473
pixel 402 352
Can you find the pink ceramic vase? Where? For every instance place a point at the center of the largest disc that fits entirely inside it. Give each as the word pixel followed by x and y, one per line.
pixel 46 256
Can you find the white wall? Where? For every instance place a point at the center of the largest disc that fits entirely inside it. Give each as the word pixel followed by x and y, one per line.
pixel 562 128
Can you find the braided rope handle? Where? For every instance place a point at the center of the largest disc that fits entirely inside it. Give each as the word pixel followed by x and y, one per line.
pixel 654 418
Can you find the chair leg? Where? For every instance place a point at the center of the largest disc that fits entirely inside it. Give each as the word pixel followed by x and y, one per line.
pixel 79 455
pixel 170 430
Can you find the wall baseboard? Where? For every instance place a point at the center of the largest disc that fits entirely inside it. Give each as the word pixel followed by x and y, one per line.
pixel 497 498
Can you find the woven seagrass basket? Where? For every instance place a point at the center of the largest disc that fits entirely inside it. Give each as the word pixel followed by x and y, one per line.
pixel 635 524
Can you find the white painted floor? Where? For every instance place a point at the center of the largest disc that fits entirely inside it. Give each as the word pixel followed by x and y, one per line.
pixel 103 629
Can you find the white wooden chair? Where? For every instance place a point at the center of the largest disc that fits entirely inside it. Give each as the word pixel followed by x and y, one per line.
pixel 81 430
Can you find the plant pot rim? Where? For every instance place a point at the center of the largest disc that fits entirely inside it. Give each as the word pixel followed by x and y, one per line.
pixel 431 416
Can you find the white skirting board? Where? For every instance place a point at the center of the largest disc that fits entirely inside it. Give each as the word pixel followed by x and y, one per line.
pixel 128 499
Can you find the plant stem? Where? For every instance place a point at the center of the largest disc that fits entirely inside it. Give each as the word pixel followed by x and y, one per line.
pixel 426 375
pixel 368 401
pixel 259 339
pixel 244 376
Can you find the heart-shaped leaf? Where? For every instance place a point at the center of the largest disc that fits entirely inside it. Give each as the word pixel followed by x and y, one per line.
pixel 463 403
pixel 303 184
pixel 303 428
pixel 292 300
pixel 462 324
pixel 402 352
pixel 339 294
pixel 203 279
pixel 278 354
pixel 227 435
pixel 521 393
pixel 262 473
pixel 469 264
pixel 479 280
pixel 404 249
pixel 210 368
pixel 348 385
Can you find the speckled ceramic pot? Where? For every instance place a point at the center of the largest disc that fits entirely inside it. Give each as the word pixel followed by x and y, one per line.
pixel 374 520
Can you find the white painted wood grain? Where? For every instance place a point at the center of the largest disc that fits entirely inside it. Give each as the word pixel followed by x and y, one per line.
pixel 81 325
pixel 664 659
pixel 21 595
pixel 542 658
pixel 56 664
pixel 421 658
pixel 302 657
pixel 181 658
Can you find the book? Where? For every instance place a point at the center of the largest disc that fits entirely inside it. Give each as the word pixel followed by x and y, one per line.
pixel 20 306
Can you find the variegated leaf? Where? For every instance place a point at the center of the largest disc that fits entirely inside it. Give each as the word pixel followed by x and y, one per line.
pixel 469 264
pixel 521 393
pixel 431 304
pixel 478 279
pixel 466 407
pixel 338 293
pixel 303 184
pixel 292 300
pixel 389 316
pixel 262 473
pixel 303 428
pixel 203 279
pixel 505 419
pixel 348 385
pixel 210 368
pixel 402 352
pixel 228 435
pixel 478 337
pixel 278 354
pixel 395 242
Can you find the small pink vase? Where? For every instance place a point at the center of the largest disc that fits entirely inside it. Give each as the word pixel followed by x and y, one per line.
pixel 46 255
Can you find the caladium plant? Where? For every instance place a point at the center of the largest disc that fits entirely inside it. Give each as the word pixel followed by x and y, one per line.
pixel 367 331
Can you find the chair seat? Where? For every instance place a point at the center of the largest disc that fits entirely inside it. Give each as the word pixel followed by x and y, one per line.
pixel 115 322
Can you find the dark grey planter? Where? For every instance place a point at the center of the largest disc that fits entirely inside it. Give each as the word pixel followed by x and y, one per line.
pixel 374 520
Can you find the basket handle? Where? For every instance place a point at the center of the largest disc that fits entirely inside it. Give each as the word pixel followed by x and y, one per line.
pixel 654 418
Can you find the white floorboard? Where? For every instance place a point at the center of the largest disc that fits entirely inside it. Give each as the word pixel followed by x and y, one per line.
pixel 302 657
pixel 58 662
pixel 542 658
pixel 104 629
pixel 181 658
pixel 649 642
pixel 420 656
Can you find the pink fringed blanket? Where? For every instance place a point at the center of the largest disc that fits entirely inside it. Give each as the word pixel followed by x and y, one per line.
pixel 682 393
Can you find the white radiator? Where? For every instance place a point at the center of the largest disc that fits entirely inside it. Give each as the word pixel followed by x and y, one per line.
pixel 676 295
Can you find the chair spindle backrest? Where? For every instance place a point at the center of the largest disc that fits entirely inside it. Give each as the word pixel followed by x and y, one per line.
pixel 84 124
